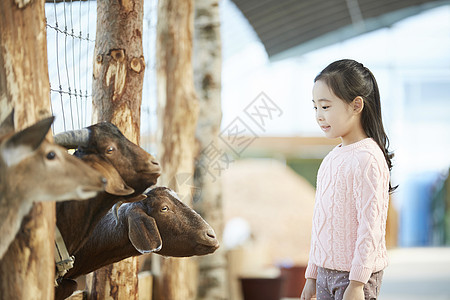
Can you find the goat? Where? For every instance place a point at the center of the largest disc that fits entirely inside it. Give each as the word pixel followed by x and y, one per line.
pixel 33 169
pixel 161 223
pixel 128 168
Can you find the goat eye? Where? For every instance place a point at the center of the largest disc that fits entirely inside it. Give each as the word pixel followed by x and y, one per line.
pixel 110 150
pixel 164 209
pixel 51 155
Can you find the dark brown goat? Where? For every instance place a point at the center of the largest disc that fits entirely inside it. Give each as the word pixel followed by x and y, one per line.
pixel 128 168
pixel 161 223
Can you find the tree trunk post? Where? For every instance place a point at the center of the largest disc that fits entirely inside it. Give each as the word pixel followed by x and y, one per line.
pixel 27 269
pixel 208 199
pixel 117 95
pixel 177 121
pixel 119 65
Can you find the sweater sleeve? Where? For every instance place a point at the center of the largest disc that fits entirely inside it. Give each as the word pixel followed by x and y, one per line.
pixel 371 194
pixel 311 271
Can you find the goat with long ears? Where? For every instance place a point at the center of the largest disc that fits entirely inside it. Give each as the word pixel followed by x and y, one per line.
pixel 161 223
pixel 33 169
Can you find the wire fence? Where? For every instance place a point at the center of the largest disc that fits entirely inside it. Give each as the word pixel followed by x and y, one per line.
pixel 70 47
pixel 71 29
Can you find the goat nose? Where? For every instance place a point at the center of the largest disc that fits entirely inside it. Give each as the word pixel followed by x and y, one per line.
pixel 209 239
pixel 210 234
pixel 154 162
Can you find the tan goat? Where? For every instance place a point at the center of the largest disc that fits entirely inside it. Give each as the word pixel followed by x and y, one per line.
pixel 33 169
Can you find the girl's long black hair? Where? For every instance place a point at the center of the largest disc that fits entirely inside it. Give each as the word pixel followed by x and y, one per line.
pixel 349 79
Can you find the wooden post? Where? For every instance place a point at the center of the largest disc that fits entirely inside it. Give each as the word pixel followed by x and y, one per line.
pixel 27 269
pixel 119 65
pixel 117 95
pixel 145 285
pixel 177 121
pixel 210 161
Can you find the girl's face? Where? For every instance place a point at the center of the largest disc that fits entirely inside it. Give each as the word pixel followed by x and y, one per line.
pixel 335 117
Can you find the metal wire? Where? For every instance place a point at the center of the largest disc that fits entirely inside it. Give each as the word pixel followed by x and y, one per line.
pixel 70 69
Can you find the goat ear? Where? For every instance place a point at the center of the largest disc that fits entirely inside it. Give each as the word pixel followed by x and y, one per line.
pixel 7 125
pixel 114 182
pixel 23 143
pixel 143 232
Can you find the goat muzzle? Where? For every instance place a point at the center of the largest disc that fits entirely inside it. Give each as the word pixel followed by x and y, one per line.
pixel 208 238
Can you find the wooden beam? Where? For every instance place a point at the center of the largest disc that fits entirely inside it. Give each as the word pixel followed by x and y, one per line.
pixel 145 285
pixel 117 95
pixel 177 121
pixel 28 267
pixel 212 282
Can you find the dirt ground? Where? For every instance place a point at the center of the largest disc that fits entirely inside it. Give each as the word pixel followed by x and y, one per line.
pixel 278 205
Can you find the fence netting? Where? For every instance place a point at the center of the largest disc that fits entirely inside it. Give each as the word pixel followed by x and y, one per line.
pixel 71 27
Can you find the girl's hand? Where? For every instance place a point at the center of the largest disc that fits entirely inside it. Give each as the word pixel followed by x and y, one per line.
pixel 354 291
pixel 309 290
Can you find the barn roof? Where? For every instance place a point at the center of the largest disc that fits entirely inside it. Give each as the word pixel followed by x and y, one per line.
pixel 292 27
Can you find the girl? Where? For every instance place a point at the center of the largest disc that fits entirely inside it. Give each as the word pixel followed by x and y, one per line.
pixel 348 251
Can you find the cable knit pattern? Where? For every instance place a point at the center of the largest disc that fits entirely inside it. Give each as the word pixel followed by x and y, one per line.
pixel 349 222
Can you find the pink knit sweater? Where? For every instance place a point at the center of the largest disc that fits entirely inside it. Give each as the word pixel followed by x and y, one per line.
pixel 349 222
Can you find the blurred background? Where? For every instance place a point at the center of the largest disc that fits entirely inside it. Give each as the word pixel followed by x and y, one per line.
pixel 411 61
pixel 408 50
pixel 272 50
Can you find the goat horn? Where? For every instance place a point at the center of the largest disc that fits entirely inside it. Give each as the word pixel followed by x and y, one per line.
pixel 73 139
pixel 115 211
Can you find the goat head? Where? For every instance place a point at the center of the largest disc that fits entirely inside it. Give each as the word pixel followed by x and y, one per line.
pixel 138 169
pixel 33 169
